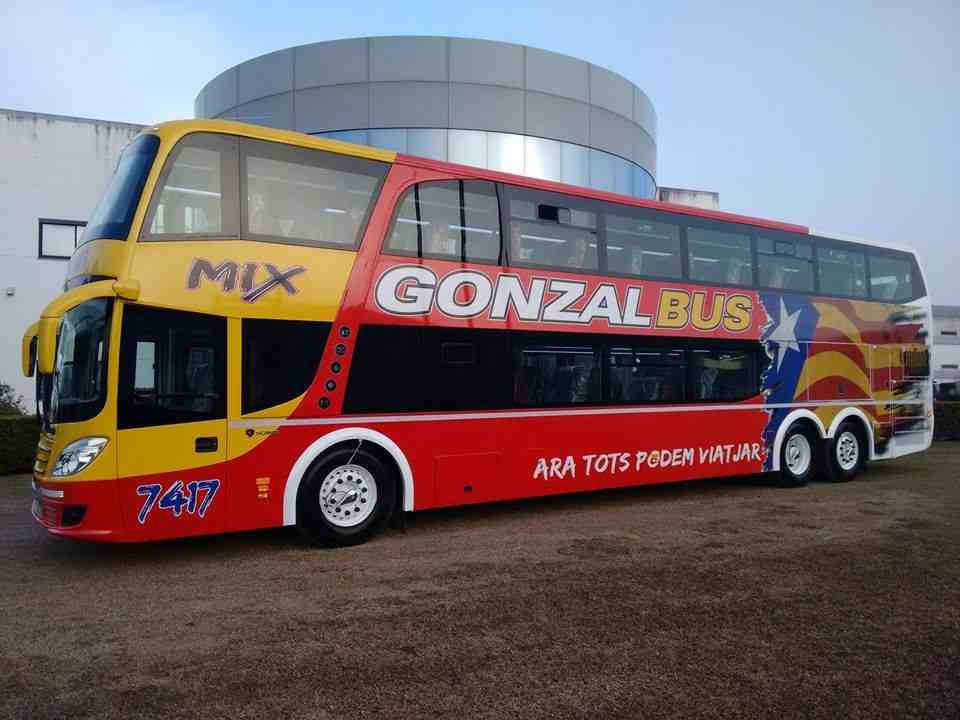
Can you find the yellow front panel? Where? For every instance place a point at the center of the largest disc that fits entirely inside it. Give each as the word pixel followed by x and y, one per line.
pixel 233 278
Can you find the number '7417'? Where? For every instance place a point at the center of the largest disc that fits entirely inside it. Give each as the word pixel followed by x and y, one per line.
pixel 198 497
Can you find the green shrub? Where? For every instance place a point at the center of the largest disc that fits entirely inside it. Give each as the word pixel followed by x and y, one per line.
pixel 10 402
pixel 18 443
pixel 946 421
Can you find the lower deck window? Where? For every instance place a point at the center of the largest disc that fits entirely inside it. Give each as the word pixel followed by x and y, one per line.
pixel 280 359
pixel 172 367
pixel 410 369
pixel 723 375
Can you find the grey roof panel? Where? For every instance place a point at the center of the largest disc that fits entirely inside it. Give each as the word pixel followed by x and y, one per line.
pixel 332 63
pixel 485 61
pixel 555 117
pixel 486 107
pixel 409 104
pixel 408 58
pixel 335 107
pixel 550 72
pixel 265 75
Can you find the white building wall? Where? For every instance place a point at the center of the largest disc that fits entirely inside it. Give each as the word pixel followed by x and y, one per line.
pixel 51 166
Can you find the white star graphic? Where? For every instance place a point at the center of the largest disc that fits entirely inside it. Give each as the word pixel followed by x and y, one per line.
pixel 785 334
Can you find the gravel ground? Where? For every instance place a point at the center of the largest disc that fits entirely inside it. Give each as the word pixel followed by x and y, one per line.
pixel 730 599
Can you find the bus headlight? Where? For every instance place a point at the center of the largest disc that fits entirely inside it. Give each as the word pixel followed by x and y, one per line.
pixel 77 455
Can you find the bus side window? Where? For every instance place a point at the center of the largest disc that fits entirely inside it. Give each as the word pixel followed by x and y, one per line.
pixel 197 195
pixel 720 257
pixel 842 272
pixel 551 230
pixel 785 264
pixel 172 367
pixel 555 374
pixel 642 374
pixel 448 220
pixel 723 375
pixel 637 245
pixel 280 360
pixel 891 278
pixel 304 196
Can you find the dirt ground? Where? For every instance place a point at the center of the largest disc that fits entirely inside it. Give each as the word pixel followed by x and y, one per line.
pixel 709 599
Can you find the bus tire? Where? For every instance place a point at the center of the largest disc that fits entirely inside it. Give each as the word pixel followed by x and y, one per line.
pixel 346 497
pixel 798 456
pixel 845 453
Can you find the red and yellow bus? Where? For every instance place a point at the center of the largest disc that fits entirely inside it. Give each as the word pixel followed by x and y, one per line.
pixel 263 328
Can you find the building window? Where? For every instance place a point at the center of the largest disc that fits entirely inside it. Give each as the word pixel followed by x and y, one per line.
pixel 950 366
pixel 59 238
pixel 948 332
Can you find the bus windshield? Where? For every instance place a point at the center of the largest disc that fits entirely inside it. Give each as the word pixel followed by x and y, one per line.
pixel 79 385
pixel 114 214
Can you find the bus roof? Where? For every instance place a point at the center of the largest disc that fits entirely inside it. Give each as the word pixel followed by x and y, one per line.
pixel 177 128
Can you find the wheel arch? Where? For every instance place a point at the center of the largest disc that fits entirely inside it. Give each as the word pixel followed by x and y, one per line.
pixel 853 412
pixel 324 443
pixel 803 415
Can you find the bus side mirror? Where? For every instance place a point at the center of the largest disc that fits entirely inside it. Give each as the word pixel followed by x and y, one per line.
pixel 47 344
pixel 28 350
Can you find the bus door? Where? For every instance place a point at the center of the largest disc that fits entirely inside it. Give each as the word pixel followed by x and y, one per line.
pixel 171 419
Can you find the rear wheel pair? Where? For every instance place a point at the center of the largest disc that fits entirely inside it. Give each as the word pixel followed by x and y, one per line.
pixel 839 458
pixel 346 497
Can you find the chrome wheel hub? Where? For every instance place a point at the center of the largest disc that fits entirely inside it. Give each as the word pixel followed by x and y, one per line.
pixel 348 495
pixel 798 455
pixel 848 450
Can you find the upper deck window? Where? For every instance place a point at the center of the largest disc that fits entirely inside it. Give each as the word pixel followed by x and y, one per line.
pixel 197 193
pixel 719 257
pixel 640 246
pixel 784 264
pixel 449 220
pixel 219 186
pixel 303 196
pixel 842 272
pixel 891 278
pixel 550 230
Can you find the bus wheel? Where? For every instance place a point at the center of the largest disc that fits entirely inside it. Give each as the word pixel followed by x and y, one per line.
pixel 797 464
pixel 345 498
pixel 846 452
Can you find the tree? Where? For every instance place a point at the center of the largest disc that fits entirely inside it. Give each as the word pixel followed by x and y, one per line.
pixel 10 402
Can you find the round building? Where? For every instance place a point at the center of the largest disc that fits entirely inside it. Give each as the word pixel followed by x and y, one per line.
pixel 489 104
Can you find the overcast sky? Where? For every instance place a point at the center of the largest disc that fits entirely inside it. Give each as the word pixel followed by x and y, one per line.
pixel 843 119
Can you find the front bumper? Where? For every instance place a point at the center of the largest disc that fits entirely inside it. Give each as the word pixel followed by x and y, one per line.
pixel 82 510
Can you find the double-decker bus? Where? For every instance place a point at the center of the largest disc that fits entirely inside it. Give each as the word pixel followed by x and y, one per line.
pixel 262 328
